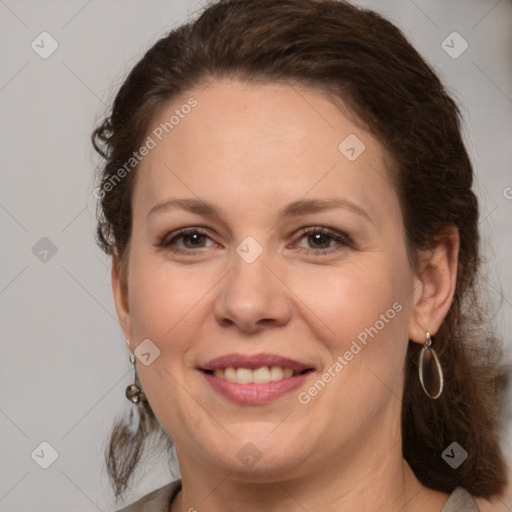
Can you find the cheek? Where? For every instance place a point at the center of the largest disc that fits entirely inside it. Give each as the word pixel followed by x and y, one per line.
pixel 163 299
pixel 351 298
pixel 362 313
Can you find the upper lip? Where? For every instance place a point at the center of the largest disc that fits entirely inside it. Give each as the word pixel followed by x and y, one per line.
pixel 253 362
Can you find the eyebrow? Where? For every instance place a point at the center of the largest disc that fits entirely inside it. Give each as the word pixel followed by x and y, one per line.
pixel 294 209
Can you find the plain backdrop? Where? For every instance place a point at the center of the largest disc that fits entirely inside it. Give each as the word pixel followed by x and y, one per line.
pixel 64 363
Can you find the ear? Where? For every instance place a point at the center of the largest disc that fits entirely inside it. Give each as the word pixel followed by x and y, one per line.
pixel 434 285
pixel 120 290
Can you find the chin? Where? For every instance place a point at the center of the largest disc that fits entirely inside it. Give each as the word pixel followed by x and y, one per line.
pixel 260 456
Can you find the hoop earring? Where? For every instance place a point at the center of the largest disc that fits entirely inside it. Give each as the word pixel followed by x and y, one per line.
pixel 133 392
pixel 430 370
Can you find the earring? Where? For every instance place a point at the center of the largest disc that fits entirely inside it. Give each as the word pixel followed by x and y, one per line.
pixel 133 391
pixel 431 373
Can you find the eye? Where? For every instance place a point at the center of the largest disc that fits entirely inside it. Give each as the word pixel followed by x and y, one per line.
pixel 188 238
pixel 323 241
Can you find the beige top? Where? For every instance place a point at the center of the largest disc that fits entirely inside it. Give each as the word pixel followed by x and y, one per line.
pixel 160 500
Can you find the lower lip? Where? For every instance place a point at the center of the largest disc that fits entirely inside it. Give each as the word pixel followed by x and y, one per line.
pixel 253 394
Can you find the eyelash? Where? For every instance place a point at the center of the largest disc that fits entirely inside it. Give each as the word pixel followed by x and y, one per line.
pixel 343 240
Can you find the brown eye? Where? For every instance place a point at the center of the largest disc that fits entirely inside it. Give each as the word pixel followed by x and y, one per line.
pixel 195 239
pixel 185 240
pixel 319 241
pixel 323 241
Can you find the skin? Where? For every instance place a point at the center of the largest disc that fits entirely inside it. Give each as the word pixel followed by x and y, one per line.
pixel 250 150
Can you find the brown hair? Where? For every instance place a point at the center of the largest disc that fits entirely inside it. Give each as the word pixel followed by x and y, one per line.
pixel 364 60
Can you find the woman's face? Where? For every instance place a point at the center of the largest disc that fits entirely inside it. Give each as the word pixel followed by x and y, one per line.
pixel 259 289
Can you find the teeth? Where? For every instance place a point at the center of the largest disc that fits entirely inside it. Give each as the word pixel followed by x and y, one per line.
pixel 244 376
pixel 229 374
pixel 262 375
pixel 276 373
pixel 287 373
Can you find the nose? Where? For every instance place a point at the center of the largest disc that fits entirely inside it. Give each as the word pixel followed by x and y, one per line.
pixel 252 297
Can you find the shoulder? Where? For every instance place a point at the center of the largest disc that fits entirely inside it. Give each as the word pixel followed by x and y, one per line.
pixel 155 501
pixel 460 501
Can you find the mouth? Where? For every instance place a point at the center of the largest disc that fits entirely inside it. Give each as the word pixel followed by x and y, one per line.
pixel 261 375
pixel 255 379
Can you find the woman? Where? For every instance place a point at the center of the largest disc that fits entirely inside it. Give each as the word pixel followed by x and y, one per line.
pixel 287 201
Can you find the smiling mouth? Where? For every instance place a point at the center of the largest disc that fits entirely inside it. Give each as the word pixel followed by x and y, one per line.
pixel 255 379
pixel 261 375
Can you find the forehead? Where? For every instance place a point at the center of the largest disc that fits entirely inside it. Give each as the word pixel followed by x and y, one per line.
pixel 260 143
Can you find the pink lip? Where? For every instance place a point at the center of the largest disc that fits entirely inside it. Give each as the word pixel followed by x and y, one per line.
pixel 253 362
pixel 253 394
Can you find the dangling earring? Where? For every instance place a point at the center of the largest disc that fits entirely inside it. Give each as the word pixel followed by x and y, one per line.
pixel 431 373
pixel 133 392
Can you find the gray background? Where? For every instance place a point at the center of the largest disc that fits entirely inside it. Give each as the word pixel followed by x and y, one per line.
pixel 64 363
